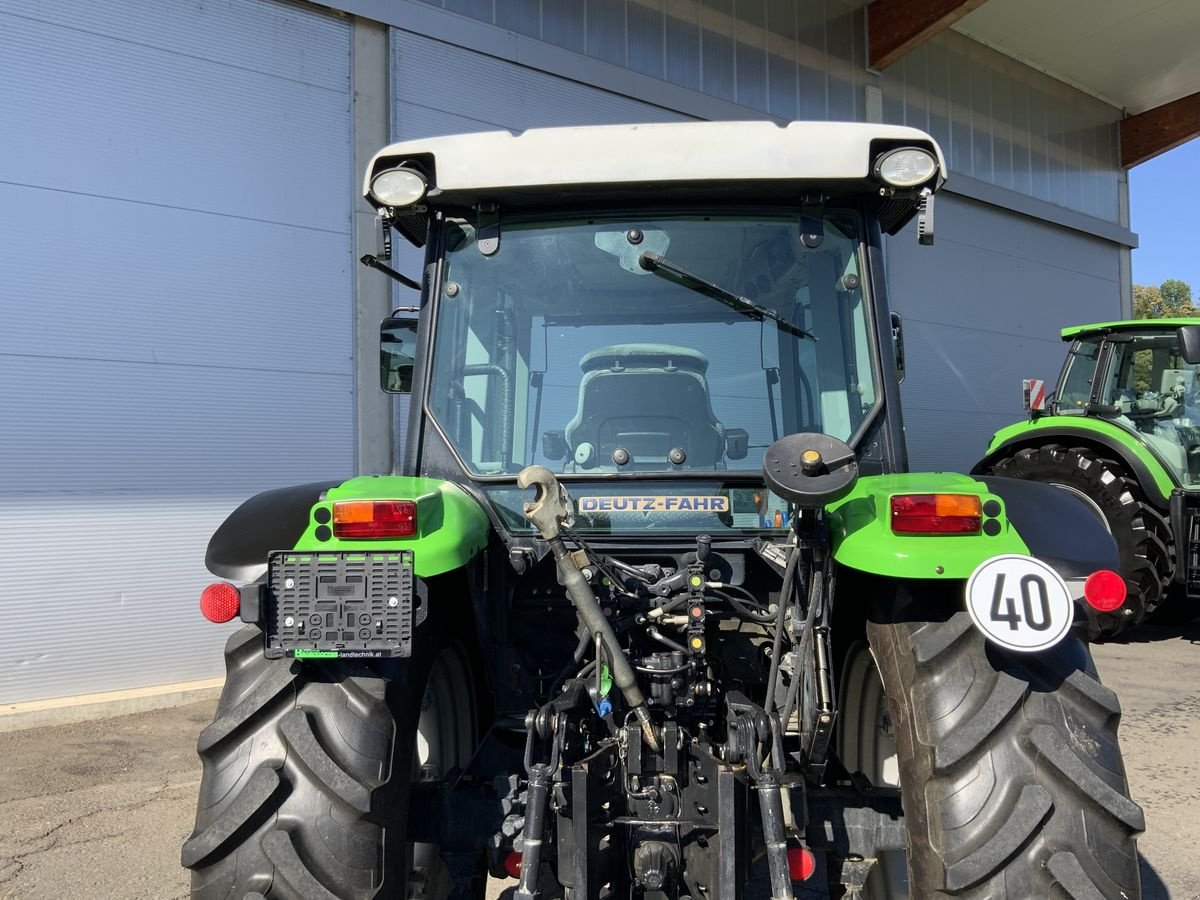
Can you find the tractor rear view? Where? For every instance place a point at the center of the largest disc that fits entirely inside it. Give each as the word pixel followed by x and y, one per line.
pixel 1122 433
pixel 650 607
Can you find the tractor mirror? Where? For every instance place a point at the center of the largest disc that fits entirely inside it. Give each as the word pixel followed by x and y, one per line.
pixel 397 354
pixel 1189 344
pixel 737 443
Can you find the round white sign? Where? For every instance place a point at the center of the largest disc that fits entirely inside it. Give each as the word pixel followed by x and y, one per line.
pixel 1019 603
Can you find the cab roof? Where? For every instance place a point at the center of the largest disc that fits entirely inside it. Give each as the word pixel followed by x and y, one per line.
pixel 1078 331
pixel 653 154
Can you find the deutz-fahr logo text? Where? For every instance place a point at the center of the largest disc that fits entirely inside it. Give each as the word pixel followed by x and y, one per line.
pixel 670 503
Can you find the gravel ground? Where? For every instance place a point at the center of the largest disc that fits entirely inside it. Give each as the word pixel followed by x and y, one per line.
pixel 100 809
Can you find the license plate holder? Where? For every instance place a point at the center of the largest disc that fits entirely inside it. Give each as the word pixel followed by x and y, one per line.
pixel 339 605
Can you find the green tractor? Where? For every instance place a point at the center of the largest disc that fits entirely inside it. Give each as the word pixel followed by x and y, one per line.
pixel 649 606
pixel 1122 433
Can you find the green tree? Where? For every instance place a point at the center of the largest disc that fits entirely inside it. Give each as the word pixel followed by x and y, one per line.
pixel 1177 296
pixel 1147 301
pixel 1171 299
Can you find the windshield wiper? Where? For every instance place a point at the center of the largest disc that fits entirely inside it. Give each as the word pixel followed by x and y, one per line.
pixel 660 265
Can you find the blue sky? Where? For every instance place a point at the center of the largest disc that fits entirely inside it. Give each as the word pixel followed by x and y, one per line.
pixel 1164 211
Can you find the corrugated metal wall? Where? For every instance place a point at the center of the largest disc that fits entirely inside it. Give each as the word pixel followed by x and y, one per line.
pixel 998 120
pixel 479 93
pixel 982 309
pixel 1005 123
pixel 176 181
pixel 793 59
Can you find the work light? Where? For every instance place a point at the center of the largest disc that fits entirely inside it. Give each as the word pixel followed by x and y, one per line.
pixel 906 167
pixel 398 187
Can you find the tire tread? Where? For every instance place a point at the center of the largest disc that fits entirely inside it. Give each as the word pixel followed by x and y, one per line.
pixel 1051 746
pixel 294 765
pixel 1016 830
pixel 250 803
pixel 1070 876
pixel 1014 764
pixel 1144 538
pixel 303 745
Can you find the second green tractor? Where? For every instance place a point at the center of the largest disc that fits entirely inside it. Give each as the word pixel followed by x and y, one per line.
pixel 1122 433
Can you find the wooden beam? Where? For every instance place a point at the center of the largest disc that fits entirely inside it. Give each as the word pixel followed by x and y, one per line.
pixel 1158 130
pixel 895 27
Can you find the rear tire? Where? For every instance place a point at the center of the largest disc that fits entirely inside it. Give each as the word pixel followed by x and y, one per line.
pixel 1011 777
pixel 308 769
pixel 1143 535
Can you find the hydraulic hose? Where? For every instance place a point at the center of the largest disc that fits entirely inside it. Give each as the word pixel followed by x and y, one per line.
pixel 785 599
pixel 743 610
pixel 585 641
pixel 793 695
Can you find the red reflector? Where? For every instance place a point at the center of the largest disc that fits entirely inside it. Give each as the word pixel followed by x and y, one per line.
pixel 512 864
pixel 1104 590
pixel 801 863
pixel 936 514
pixel 374 518
pixel 220 602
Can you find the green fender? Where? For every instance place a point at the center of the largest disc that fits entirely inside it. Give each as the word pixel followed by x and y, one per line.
pixel 451 527
pixel 1155 478
pixel 862 537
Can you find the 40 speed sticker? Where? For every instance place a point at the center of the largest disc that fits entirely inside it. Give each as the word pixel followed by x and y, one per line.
pixel 1019 603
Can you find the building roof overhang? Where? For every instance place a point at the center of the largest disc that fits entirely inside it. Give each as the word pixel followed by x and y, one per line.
pixel 1142 58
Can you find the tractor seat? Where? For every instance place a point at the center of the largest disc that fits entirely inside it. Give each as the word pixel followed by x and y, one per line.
pixel 648 399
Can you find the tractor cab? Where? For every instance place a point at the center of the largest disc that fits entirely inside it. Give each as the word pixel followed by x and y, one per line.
pixel 1143 376
pixel 654 321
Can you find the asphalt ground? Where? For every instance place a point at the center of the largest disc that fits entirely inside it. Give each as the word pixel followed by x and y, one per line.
pixel 100 809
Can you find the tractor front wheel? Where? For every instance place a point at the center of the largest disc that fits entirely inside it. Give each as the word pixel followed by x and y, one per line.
pixel 1142 534
pixel 1010 774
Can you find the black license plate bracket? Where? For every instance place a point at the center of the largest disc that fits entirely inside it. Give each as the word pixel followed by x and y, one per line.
pixel 339 604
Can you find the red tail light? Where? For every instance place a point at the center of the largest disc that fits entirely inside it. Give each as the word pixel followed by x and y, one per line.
pixel 801 863
pixel 374 519
pixel 1104 590
pixel 220 602
pixel 936 514
pixel 512 864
